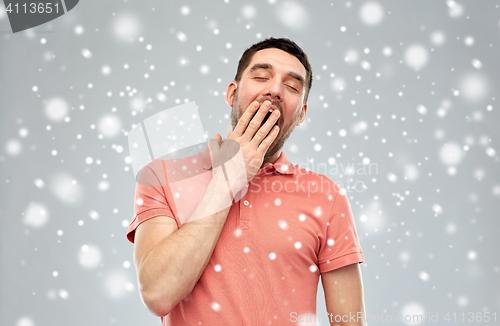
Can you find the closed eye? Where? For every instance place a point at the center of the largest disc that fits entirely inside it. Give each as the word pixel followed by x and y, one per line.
pixel 293 88
pixel 260 78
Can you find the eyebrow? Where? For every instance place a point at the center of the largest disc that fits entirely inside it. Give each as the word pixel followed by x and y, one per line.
pixel 269 66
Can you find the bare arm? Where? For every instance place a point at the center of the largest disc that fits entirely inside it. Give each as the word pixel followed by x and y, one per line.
pixel 168 272
pixel 170 261
pixel 344 296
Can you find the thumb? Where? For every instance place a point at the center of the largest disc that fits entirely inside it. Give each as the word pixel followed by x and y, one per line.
pixel 214 146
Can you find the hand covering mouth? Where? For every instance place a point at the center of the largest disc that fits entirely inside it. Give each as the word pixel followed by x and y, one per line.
pixel 268 115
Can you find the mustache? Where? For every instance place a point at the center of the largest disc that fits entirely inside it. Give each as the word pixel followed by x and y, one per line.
pixel 275 103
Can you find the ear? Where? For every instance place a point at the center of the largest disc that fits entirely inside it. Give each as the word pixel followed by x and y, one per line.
pixel 302 115
pixel 230 91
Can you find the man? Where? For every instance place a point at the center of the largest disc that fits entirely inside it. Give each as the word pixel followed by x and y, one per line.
pixel 255 259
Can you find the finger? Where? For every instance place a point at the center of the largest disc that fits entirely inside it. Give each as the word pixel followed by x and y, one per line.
pixel 257 120
pixel 264 145
pixel 266 127
pixel 214 146
pixel 245 119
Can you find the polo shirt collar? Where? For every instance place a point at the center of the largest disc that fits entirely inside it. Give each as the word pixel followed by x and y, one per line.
pixel 282 164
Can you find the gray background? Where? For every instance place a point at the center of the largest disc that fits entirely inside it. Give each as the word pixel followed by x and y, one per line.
pixel 423 111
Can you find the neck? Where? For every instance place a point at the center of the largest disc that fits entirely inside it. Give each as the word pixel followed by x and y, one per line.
pixel 272 159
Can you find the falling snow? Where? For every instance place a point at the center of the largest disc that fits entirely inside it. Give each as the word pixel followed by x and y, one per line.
pixel 371 13
pixel 402 115
pixel 89 256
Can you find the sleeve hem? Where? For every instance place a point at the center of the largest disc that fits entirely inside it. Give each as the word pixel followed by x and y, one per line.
pixel 344 260
pixel 156 212
pixel 150 213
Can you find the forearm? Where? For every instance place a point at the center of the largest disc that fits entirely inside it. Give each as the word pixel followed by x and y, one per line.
pixel 344 296
pixel 173 267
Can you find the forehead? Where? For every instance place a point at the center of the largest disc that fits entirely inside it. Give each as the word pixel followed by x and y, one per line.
pixel 279 59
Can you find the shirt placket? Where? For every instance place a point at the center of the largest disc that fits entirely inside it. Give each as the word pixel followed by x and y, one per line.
pixel 245 212
pixel 247 204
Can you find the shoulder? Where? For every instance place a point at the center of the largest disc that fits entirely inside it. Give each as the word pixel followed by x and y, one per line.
pixel 150 173
pixel 172 169
pixel 305 174
pixel 316 185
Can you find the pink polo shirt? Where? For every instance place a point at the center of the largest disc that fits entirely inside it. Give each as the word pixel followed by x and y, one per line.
pixel 289 227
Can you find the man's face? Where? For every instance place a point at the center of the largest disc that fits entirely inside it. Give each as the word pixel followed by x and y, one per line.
pixel 279 77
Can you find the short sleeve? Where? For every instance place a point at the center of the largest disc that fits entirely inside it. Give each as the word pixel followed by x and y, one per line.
pixel 340 245
pixel 150 199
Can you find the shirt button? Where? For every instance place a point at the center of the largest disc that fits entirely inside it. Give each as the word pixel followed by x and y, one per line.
pixel 246 203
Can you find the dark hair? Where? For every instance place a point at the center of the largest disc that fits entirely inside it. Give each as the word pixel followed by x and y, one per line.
pixel 281 44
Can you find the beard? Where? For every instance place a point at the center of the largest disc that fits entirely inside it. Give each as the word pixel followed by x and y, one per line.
pixel 285 129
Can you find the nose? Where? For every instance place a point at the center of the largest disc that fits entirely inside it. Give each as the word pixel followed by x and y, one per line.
pixel 274 89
